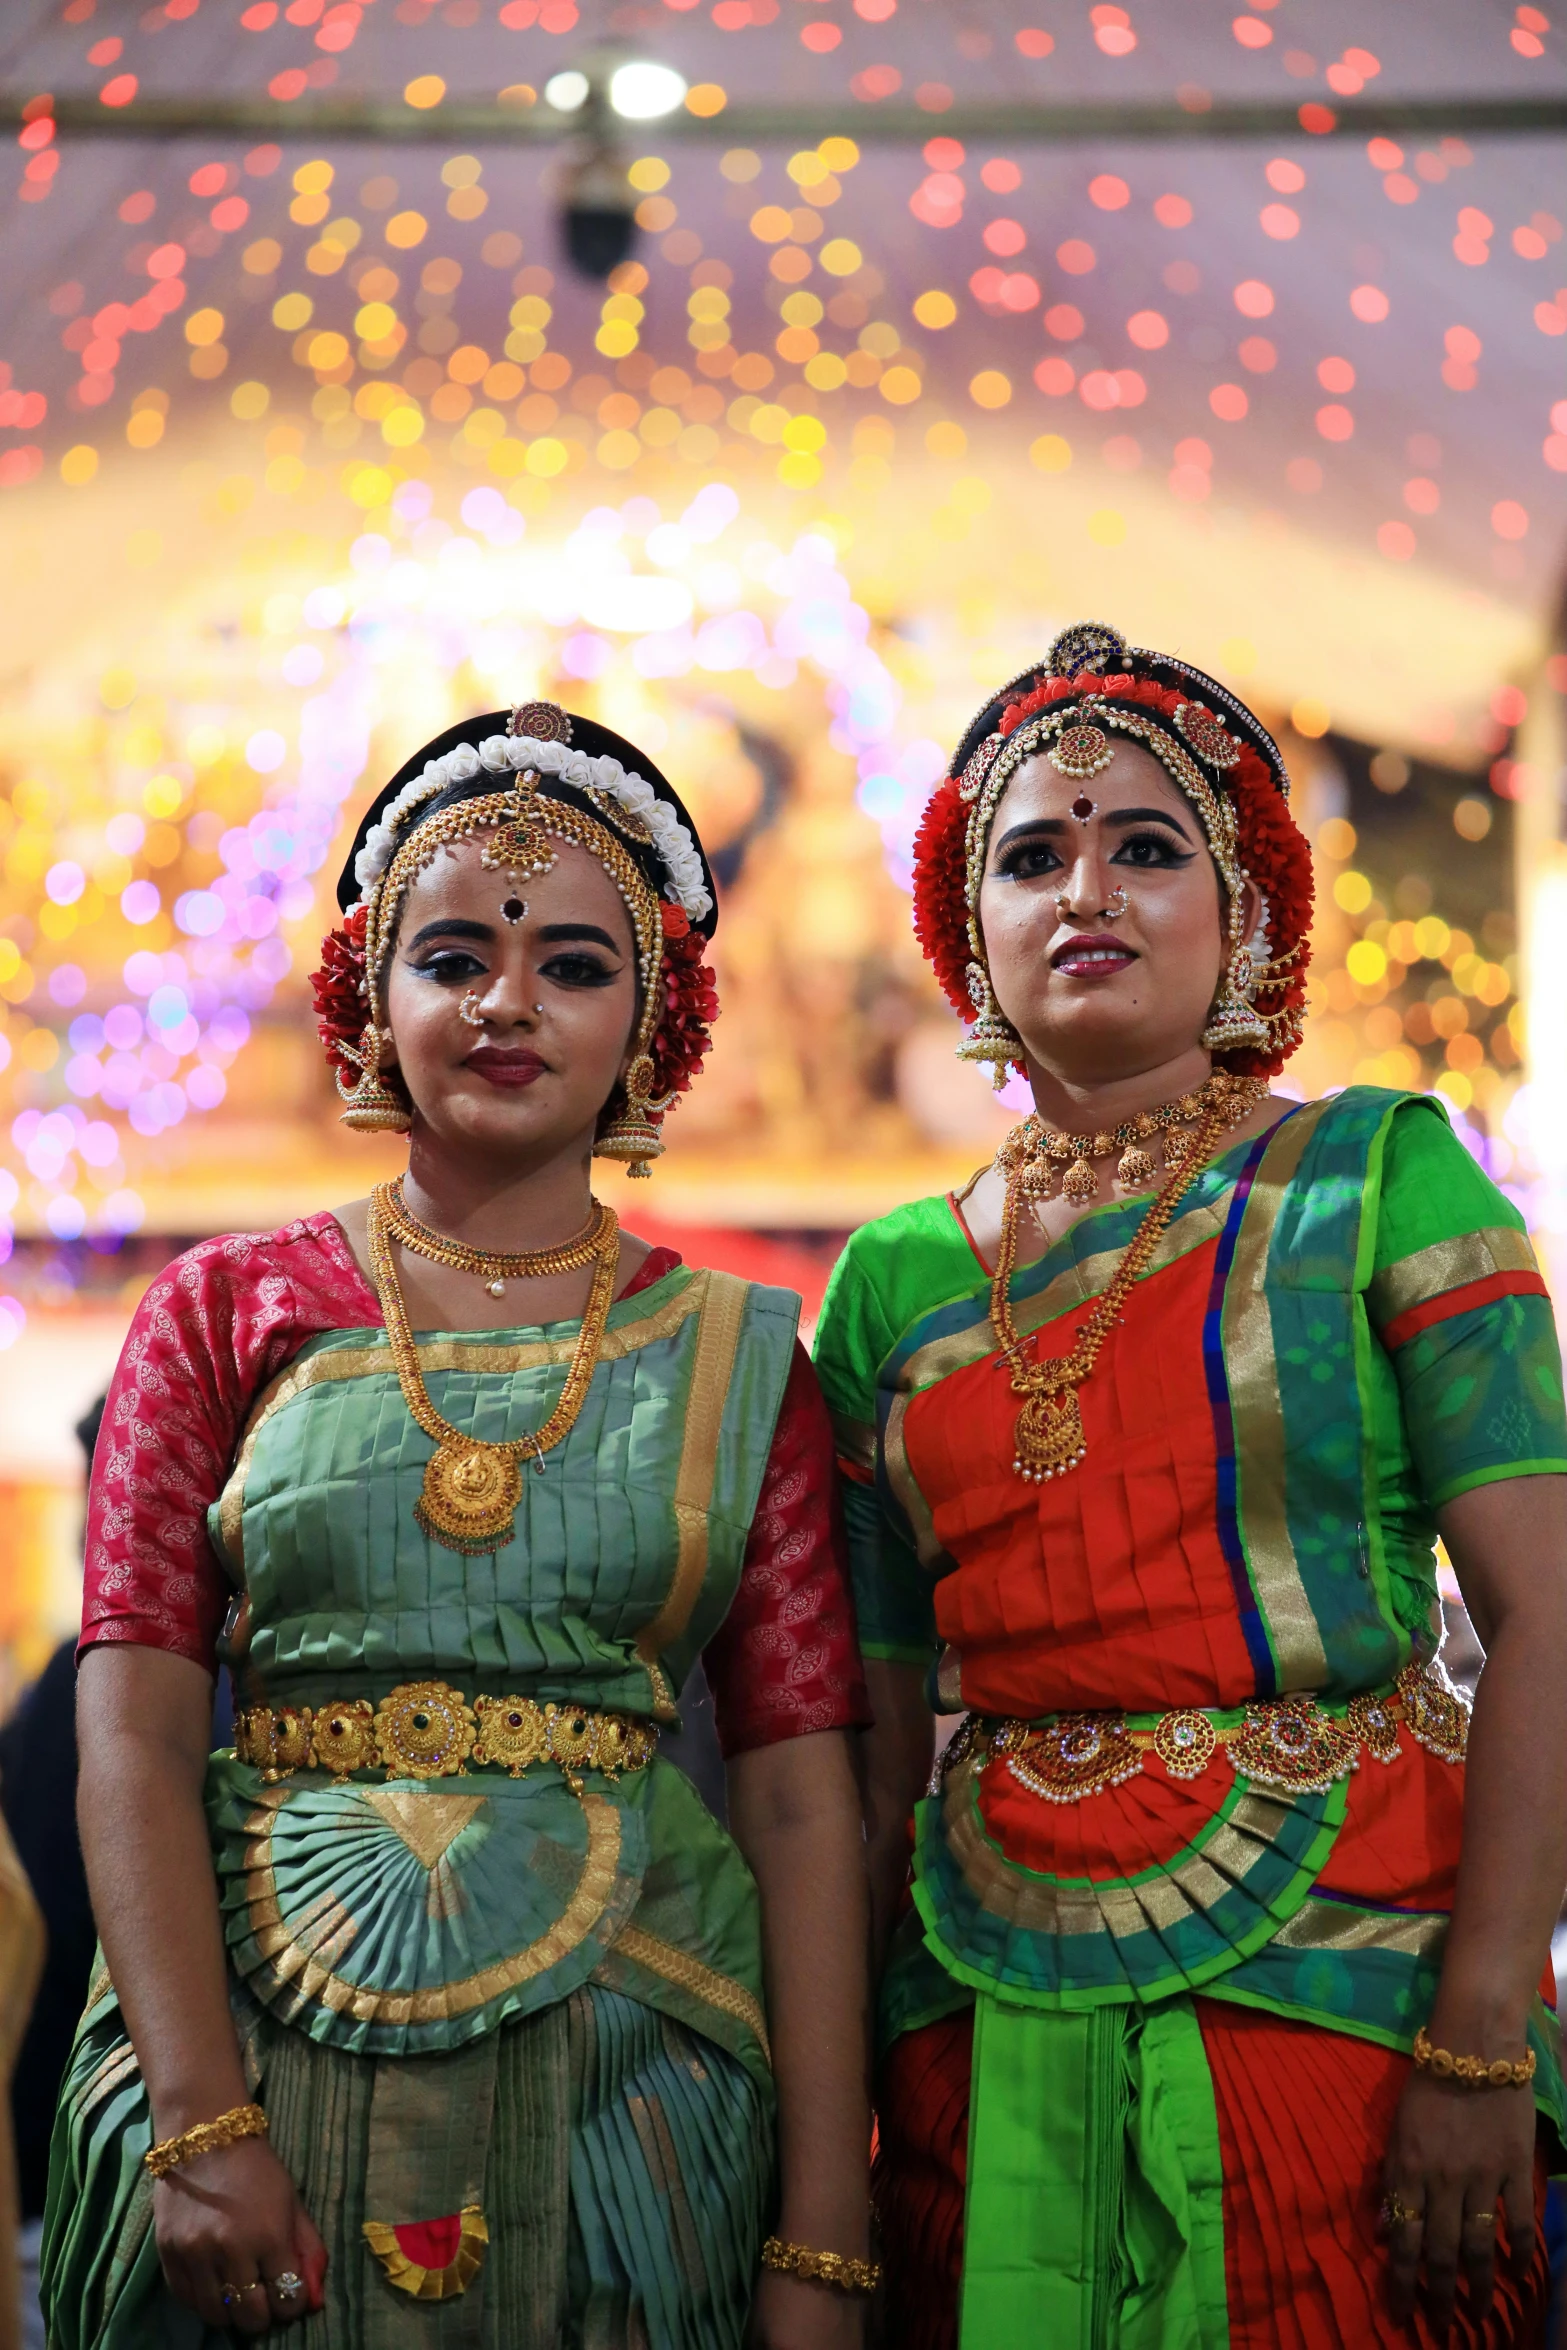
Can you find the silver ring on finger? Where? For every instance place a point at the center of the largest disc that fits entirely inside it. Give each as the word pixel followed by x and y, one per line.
pixel 288 2286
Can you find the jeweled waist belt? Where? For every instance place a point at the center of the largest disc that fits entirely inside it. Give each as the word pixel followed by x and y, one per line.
pixel 427 1730
pixel 1289 1743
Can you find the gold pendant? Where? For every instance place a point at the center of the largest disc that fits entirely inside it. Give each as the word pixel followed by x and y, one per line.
pixel 1080 1183
pixel 1049 1436
pixel 469 1499
pixel 1135 1168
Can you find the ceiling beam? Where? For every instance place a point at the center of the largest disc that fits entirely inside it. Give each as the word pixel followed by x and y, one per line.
pixel 457 122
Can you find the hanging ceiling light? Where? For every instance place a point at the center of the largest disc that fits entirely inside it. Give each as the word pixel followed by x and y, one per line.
pixel 598 221
pixel 567 91
pixel 642 90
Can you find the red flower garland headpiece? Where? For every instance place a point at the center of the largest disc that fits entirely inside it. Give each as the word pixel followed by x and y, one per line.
pixel 1270 846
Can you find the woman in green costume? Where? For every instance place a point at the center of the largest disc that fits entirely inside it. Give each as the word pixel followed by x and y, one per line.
pixel 1152 1431
pixel 444 2010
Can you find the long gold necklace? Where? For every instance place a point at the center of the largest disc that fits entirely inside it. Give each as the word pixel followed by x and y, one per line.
pixel 494 1267
pixel 1048 1439
pixel 471 1489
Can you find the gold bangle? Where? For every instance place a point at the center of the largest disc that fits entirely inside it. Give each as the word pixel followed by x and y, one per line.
pixel 241 2121
pixel 1472 2072
pixel 822 2268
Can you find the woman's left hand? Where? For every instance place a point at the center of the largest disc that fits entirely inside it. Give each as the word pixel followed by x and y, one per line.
pixel 1459 2158
pixel 790 2314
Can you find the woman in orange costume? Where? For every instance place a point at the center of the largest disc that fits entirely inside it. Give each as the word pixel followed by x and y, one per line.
pixel 1214 2019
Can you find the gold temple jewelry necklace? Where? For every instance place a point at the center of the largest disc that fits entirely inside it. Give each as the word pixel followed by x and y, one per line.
pixel 1048 1438
pixel 471 1489
pixel 1049 1151
pixel 494 1267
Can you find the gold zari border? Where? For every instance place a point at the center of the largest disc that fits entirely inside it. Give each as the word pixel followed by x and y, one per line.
pixel 1324 1925
pixel 291 1956
pixel 677 1966
pixel 1447 1264
pixel 1251 1372
pixel 717 1343
pixel 1161 1903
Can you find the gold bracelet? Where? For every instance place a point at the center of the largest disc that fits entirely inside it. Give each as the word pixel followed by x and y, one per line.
pixel 241 2121
pixel 822 2268
pixel 1472 2071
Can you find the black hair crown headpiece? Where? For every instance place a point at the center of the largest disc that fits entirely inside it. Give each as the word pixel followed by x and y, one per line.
pixel 577 761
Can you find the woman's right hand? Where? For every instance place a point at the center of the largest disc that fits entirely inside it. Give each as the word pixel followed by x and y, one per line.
pixel 231 2222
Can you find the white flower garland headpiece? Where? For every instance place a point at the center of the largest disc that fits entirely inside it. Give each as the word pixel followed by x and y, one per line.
pixel 498 754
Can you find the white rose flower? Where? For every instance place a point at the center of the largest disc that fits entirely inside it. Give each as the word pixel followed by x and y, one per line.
pixel 673 842
pixel 1260 945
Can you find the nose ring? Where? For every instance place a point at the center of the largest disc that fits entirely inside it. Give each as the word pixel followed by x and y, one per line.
pixel 1111 911
pixel 469 1011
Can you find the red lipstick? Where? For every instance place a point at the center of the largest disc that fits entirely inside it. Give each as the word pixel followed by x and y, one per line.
pixel 500 1067
pixel 1095 955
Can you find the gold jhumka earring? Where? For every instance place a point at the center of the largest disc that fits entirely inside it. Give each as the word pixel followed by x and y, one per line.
pixel 632 1137
pixel 372 1107
pixel 994 1040
pixel 1235 1020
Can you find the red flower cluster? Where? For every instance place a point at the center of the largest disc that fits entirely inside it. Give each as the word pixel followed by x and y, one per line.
pixel 682 1037
pixel 339 991
pixel 1276 854
pixel 1271 846
pixel 940 905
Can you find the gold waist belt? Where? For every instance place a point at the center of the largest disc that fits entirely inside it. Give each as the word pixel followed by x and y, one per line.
pixel 1287 1742
pixel 426 1730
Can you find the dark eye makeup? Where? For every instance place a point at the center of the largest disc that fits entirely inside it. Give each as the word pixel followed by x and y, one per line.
pixel 580 968
pixel 448 965
pixel 1150 848
pixel 1153 848
pixel 1027 860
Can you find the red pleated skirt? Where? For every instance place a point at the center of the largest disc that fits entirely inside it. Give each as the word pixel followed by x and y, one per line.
pixel 1304 2120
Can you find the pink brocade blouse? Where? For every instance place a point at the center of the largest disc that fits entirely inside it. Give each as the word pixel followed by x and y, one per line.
pixel 226 1317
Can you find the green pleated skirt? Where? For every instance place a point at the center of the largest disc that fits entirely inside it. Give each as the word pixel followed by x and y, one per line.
pixel 623 2164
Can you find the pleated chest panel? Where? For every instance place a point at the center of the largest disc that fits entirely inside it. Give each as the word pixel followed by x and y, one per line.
pixel 636 1501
